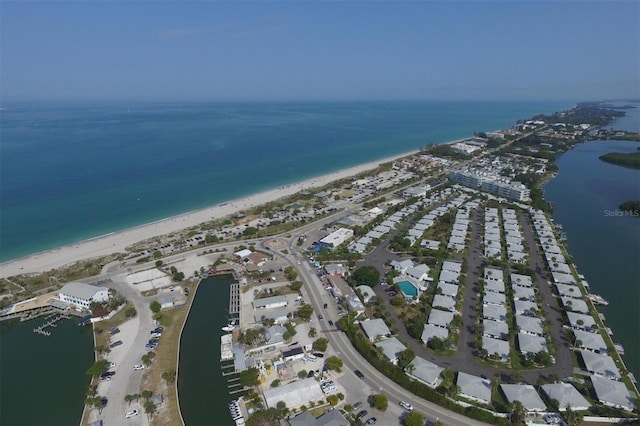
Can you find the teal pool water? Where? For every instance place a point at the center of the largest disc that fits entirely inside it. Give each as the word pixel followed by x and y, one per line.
pixel 408 289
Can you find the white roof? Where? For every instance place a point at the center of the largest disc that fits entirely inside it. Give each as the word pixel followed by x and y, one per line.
pixel 81 290
pixel 523 280
pixel 425 371
pixel 524 307
pixel 295 394
pixel 498 313
pixel 367 292
pixel 448 289
pixel 430 331
pixel 526 394
pixel 587 320
pixel 474 387
pixel 566 394
pixel 494 286
pixel 243 253
pixel 452 266
pixel 449 276
pixel 523 293
pixel 494 298
pixel 569 291
pixel 576 305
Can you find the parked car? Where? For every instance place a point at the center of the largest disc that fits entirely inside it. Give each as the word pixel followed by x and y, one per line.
pixel 371 421
pixel 356 405
pixel 320 317
pixel 114 330
pixel 138 367
pixel 325 306
pixel 318 354
pixel 330 323
pixel 361 414
pixel 116 343
pixel 131 413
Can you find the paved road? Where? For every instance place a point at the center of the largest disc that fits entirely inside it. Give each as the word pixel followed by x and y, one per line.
pixel 316 295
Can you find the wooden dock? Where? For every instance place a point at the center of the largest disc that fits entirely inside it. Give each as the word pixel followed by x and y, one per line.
pixel 234 300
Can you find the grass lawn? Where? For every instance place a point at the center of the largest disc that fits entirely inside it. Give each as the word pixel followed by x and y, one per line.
pixel 166 360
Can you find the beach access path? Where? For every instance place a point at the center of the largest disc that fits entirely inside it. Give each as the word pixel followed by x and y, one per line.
pixel 117 242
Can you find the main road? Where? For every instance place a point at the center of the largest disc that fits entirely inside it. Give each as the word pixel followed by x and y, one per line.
pixel 316 295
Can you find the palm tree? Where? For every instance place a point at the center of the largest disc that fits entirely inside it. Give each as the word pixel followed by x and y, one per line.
pixel 573 418
pixel 517 413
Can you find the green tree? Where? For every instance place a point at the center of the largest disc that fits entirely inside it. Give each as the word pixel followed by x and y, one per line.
pixel 517 413
pixel 98 368
pixel 367 275
pixel 397 300
pixel 332 399
pixel 169 376
pixel 158 263
pixel 334 363
pixel 380 401
pixel 573 418
pixel 146 394
pixel 305 311
pixel 250 230
pixel 296 285
pixel 414 419
pixel 249 377
pixel 149 407
pixel 405 357
pixel 155 306
pixel 302 374
pixel 312 332
pixel 290 273
pixel 436 343
pixel 320 344
pixel 178 276
pixel 130 312
pixel 275 383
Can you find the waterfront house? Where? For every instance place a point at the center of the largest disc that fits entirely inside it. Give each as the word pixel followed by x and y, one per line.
pixel 581 321
pixel 612 393
pixel 590 341
pixel 566 394
pixel 81 295
pixel 600 365
pixel 297 393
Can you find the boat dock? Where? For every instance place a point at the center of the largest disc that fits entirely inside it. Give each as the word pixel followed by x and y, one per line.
pixel 234 300
pixel 52 322
pixel 598 300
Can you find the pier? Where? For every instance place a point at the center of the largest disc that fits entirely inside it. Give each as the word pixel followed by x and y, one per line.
pixel 52 321
pixel 234 300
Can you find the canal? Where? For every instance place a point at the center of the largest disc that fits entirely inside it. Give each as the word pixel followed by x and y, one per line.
pixel 202 390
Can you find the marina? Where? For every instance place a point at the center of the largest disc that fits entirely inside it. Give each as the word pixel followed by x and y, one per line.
pixel 52 322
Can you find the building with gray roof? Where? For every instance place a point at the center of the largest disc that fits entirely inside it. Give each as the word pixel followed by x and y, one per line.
pixel 526 394
pixel 600 365
pixel 562 278
pixel 529 344
pixel 495 329
pixel 474 388
pixel 494 286
pixel 375 329
pixel 575 305
pixel 430 331
pixel 493 298
pixel 590 341
pixel 440 318
pixel 494 312
pixel 448 289
pixel 612 393
pixel 525 307
pixel 270 302
pixel 81 295
pixel 496 346
pixel 529 325
pixel 452 266
pixel 449 277
pixel 367 292
pixel 424 371
pixel 391 347
pixel 566 394
pixel 581 321
pixel 444 302
pixel 566 290
pixel 524 293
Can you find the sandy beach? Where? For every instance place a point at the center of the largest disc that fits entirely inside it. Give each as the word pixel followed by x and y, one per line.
pixel 118 241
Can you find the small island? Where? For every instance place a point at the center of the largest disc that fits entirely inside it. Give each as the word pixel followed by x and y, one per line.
pixel 631 207
pixel 630 160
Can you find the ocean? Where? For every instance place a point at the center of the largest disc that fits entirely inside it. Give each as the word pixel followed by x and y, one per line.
pixel 73 172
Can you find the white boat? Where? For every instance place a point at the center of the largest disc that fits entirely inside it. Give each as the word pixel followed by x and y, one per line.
pixel 228 327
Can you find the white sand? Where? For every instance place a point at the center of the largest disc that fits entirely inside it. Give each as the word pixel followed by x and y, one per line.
pixel 118 241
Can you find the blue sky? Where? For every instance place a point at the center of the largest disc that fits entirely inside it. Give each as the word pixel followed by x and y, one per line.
pixel 360 50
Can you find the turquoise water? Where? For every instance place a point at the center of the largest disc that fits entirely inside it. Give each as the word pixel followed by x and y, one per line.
pixel 202 389
pixel 407 288
pixel 43 380
pixel 71 172
pixel 604 246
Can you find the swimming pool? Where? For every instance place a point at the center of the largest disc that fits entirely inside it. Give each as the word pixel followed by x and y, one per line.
pixel 407 288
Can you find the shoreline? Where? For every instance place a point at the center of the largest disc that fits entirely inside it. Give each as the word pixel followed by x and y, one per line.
pixel 117 241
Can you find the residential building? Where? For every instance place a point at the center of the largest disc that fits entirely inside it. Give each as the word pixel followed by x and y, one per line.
pixel 474 388
pixel 375 329
pixel 424 371
pixel 526 394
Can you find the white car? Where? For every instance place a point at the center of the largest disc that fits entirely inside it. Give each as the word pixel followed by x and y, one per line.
pixel 112 365
pixel 130 414
pixel 406 406
pixel 138 367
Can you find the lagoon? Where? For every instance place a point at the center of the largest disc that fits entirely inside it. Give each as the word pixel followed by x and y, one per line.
pixel 604 247
pixel 43 380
